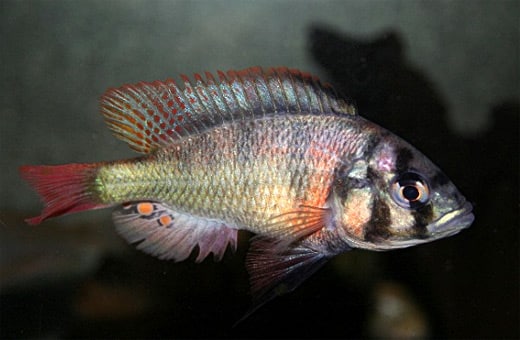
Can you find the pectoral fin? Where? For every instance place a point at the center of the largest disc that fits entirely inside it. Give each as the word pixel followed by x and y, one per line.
pixel 294 225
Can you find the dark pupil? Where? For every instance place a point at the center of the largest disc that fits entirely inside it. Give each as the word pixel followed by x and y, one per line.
pixel 410 193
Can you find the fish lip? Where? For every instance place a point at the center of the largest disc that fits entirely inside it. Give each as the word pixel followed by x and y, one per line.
pixel 452 223
pixel 447 225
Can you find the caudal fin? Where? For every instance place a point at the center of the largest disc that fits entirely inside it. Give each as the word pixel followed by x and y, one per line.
pixel 64 189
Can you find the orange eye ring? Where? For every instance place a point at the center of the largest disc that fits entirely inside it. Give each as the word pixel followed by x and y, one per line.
pixel 410 190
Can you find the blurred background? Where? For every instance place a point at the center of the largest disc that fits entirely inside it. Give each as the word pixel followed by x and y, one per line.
pixel 442 74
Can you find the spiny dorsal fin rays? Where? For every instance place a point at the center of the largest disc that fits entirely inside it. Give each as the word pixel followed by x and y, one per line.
pixel 150 115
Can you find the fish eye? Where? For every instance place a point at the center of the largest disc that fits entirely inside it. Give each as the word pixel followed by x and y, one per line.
pixel 410 190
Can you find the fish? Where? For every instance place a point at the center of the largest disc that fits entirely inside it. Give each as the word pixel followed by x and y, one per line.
pixel 273 151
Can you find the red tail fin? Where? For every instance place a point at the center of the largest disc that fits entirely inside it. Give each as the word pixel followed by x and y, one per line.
pixel 64 189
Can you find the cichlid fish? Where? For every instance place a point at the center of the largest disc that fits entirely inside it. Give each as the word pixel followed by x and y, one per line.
pixel 274 152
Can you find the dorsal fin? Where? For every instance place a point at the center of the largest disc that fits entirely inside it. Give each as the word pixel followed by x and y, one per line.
pixel 151 115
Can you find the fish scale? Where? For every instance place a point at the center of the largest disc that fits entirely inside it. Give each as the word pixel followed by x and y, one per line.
pixel 209 181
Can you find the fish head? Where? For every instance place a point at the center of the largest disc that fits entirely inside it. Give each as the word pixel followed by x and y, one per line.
pixel 395 197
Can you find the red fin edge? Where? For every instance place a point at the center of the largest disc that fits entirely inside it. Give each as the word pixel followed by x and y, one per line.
pixel 64 189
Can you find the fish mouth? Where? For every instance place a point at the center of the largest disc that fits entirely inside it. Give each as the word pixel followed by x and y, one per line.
pixel 447 225
pixel 451 223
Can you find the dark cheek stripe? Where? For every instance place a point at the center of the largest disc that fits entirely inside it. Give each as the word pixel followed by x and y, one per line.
pixel 373 141
pixel 423 217
pixel 378 226
pixel 340 182
pixel 404 157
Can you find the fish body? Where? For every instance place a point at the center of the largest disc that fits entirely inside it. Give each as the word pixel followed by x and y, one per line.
pixel 273 152
pixel 258 169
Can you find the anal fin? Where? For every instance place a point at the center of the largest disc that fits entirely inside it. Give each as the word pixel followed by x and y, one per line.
pixel 161 231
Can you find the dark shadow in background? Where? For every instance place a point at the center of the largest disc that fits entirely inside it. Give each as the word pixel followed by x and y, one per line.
pixel 469 282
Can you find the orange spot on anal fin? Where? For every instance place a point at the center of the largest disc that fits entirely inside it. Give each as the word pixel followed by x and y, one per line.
pixel 165 220
pixel 145 208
